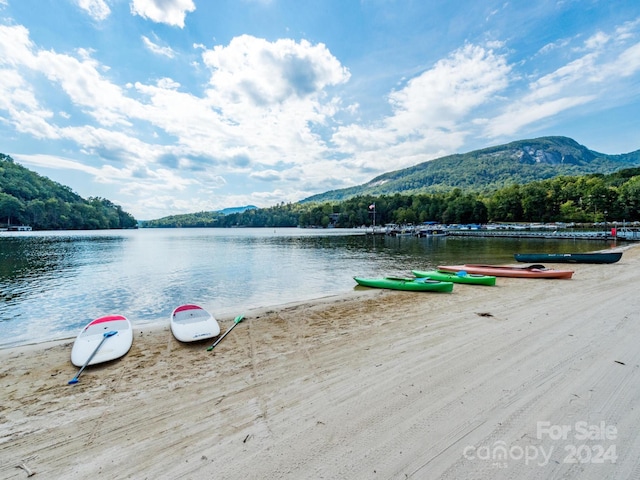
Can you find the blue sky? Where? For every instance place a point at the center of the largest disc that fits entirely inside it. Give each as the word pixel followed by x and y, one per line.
pixel 180 106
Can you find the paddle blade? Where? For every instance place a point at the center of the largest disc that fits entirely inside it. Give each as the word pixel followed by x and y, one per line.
pixel 238 319
pixel 73 381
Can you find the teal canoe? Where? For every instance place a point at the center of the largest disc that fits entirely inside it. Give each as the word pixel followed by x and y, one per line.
pixel 458 277
pixel 589 257
pixel 408 284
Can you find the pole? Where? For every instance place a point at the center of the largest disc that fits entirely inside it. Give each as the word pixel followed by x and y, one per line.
pixel 236 321
pixel 105 335
pixel 373 207
pixel 374 217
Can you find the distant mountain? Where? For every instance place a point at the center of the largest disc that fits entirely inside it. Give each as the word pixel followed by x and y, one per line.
pixel 230 210
pixel 196 220
pixel 491 168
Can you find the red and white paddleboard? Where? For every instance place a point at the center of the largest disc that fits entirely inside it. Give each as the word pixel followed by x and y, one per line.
pixel 190 323
pixel 114 346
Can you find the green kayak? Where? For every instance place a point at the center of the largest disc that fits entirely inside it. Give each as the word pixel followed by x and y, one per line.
pixel 409 284
pixel 456 277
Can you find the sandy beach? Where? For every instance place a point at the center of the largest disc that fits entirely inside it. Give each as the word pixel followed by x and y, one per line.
pixel 530 379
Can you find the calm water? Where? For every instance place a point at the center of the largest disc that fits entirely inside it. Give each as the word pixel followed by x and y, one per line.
pixel 52 284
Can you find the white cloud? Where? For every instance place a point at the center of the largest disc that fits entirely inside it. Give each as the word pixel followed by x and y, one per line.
pixel 596 41
pixel 626 31
pixel 55 162
pixel 79 77
pixel 157 49
pixel 97 9
pixel 15 45
pixel 171 12
pixel 267 175
pixel 428 111
pixel 167 84
pixel 591 77
pixel 627 64
pixel 439 97
pixel 525 113
pixel 82 81
pixel 269 95
pixel 255 72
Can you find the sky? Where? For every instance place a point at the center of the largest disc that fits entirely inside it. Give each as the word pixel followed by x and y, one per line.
pixel 179 106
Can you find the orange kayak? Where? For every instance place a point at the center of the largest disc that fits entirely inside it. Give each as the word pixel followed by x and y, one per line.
pixel 532 271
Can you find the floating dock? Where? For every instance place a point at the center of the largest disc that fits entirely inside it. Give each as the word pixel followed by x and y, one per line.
pixel 627 235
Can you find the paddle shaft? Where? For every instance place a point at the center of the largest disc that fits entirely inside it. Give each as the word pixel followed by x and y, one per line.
pixel 237 320
pixel 93 354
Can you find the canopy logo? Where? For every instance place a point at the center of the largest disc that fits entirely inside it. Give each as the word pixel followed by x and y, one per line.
pixel 580 442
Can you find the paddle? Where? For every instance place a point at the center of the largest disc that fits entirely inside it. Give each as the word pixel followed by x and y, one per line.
pixel 236 321
pixel 106 335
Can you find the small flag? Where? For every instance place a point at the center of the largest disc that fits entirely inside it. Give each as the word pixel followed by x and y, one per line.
pixel 372 206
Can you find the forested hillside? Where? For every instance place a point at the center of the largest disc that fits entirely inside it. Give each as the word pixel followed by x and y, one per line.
pixel 27 198
pixel 491 168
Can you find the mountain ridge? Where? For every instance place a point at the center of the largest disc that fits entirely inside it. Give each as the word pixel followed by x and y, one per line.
pixel 490 168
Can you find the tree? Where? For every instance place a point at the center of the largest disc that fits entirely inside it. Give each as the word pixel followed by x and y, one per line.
pixel 629 195
pixel 505 205
pixel 10 207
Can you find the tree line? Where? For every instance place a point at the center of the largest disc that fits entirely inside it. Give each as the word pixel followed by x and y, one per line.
pixel 581 199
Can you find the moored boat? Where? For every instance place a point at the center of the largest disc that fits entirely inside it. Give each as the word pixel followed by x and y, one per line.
pixel 459 277
pixel 590 257
pixel 532 271
pixel 407 284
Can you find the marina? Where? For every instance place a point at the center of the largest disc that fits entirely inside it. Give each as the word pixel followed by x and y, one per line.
pixel 539 231
pixel 568 234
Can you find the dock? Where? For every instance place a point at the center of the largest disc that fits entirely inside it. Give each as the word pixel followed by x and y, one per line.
pixel 613 234
pixel 623 233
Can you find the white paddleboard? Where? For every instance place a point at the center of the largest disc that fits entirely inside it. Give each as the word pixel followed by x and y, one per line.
pixel 190 323
pixel 114 346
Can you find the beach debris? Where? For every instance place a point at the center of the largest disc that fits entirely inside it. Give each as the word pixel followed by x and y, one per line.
pixel 621 363
pixel 23 466
pixel 484 314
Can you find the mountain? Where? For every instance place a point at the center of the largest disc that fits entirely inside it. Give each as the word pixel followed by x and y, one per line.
pixel 230 210
pixel 491 168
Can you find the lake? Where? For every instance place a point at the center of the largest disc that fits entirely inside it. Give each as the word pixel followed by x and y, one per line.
pixel 53 283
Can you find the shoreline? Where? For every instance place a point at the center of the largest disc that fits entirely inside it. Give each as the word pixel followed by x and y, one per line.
pixel 227 314
pixel 224 318
pixel 372 384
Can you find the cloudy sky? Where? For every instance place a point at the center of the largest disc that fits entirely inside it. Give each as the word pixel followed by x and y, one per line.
pixel 179 106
